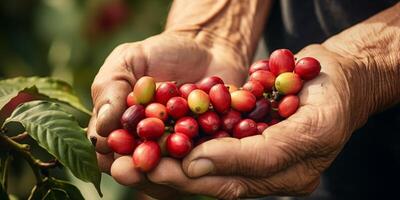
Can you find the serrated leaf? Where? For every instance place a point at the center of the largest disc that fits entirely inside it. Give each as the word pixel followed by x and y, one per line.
pixel 59 133
pixel 52 88
pixel 55 189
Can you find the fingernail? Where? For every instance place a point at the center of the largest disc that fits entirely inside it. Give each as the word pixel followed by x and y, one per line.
pixel 104 109
pixel 200 167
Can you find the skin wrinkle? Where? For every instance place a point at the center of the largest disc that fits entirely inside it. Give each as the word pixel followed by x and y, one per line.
pixel 233 20
pixel 376 52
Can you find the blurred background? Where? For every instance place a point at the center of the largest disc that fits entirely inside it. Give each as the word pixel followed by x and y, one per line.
pixel 69 39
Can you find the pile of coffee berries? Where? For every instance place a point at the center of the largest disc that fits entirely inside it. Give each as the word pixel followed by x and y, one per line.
pixel 169 120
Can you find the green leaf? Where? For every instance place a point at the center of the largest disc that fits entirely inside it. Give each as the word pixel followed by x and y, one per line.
pixel 59 133
pixel 52 88
pixel 55 189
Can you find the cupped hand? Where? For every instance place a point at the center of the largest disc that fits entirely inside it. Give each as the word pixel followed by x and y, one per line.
pixel 288 158
pixel 168 56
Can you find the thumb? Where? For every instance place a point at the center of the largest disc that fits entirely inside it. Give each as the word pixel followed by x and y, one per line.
pixel 279 147
pixel 112 84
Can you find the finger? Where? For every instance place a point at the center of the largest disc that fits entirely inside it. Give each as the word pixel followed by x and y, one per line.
pixel 112 84
pixel 295 180
pixel 104 162
pixel 280 146
pixel 169 172
pixel 124 172
pixel 98 141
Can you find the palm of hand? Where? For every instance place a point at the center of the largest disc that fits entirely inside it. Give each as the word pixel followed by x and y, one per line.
pixel 287 159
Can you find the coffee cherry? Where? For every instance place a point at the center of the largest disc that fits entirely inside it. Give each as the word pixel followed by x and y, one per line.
pixel 146 156
pixel 150 128
pixel 144 89
pixel 261 126
pixel 245 128
pixel 288 83
pixel 254 87
pixel 121 141
pixel 156 110
pixel 206 83
pixel 131 117
pixel 186 89
pixel 259 65
pixel 220 98
pixel 177 107
pixel 231 87
pixel 198 101
pixel 260 111
pixel 307 68
pixel 230 120
pixel 178 145
pixel 187 126
pixel 221 134
pixel 131 99
pixel 243 100
pixel 165 91
pixel 281 60
pixel 273 122
pixel 266 78
pixel 209 122
pixel 288 105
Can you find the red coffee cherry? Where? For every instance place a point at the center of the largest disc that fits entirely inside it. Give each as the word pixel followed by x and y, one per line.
pixel 221 134
pixel 186 89
pixel 178 145
pixel 259 65
pixel 307 68
pixel 230 120
pixel 131 99
pixel 187 126
pixel 177 107
pixel 243 100
pixel 245 128
pixel 288 105
pixel 281 60
pixel 209 122
pixel 121 141
pixel 206 83
pixel 150 128
pixel 220 98
pixel 261 126
pixel 156 110
pixel 254 87
pixel 146 156
pixel 166 91
pixel 266 78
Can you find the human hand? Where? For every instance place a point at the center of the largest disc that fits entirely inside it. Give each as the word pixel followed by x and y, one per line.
pixel 169 56
pixel 288 158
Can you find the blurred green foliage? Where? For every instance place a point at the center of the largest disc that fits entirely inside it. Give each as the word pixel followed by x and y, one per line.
pixel 69 39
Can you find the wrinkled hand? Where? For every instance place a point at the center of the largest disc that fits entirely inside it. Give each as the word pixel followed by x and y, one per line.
pixel 165 57
pixel 287 159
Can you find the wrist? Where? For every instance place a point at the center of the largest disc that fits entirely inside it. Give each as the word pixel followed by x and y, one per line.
pixel 371 83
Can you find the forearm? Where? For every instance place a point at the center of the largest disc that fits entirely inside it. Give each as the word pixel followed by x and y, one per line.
pixel 374 45
pixel 228 26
